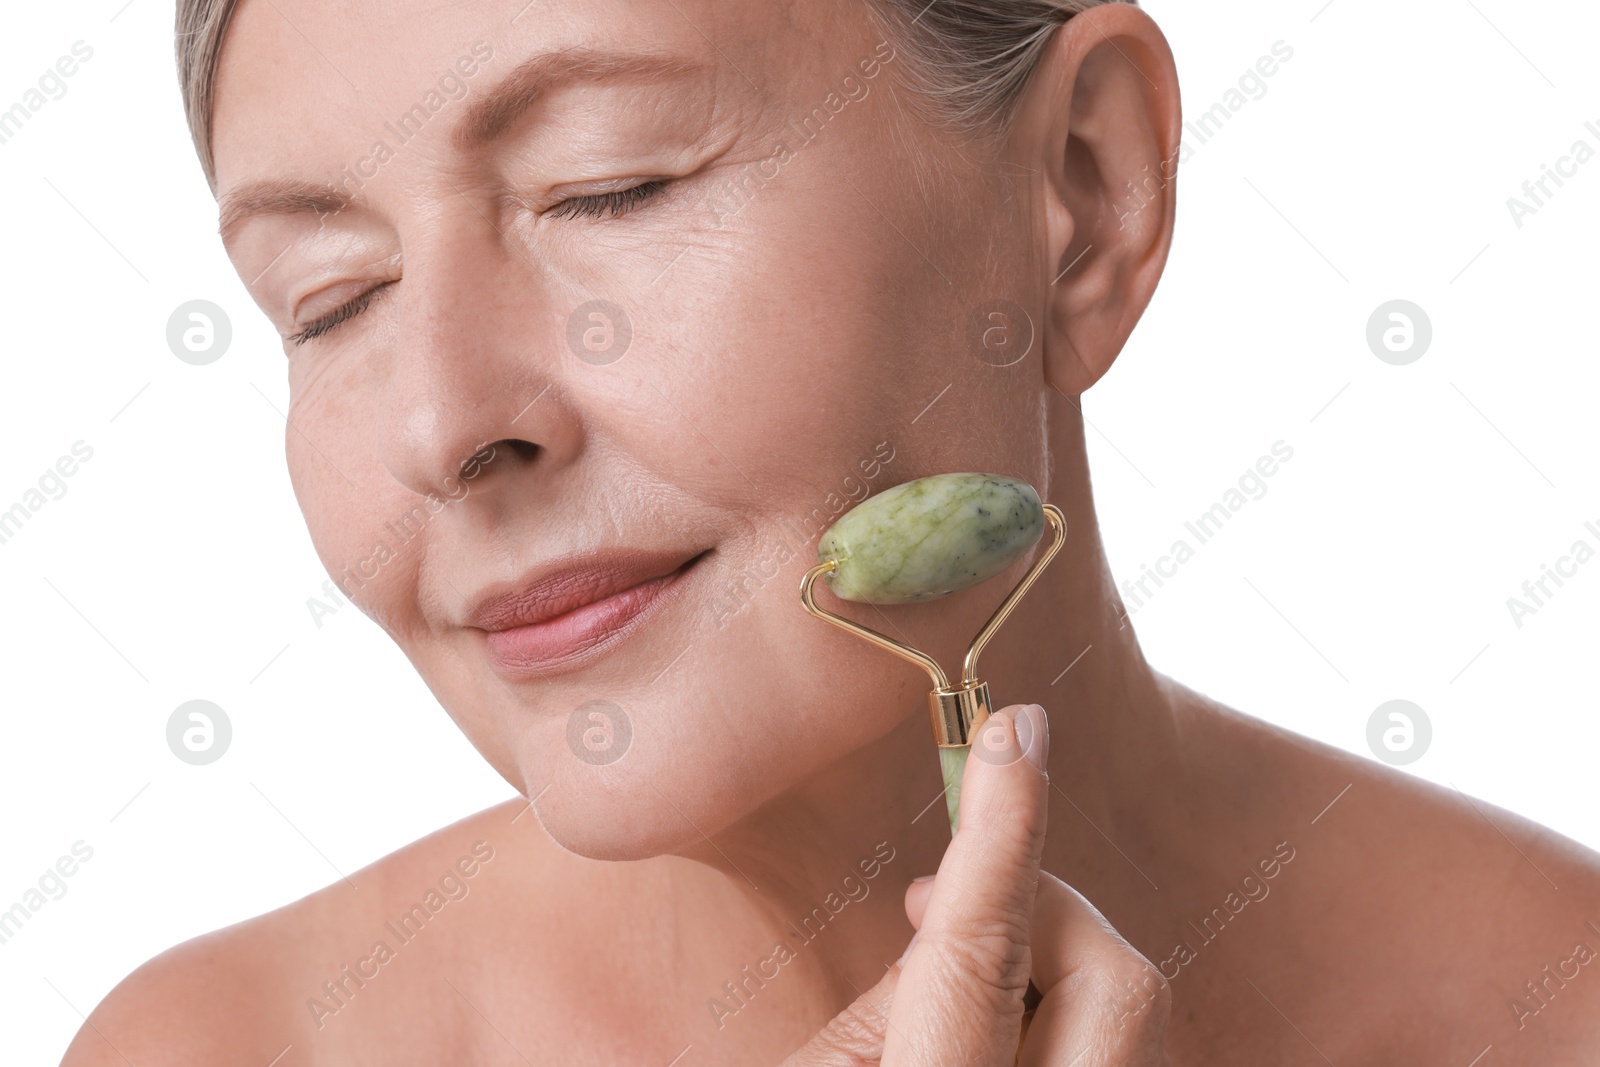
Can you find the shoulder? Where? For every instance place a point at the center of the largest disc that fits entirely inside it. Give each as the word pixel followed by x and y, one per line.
pixel 1446 921
pixel 309 982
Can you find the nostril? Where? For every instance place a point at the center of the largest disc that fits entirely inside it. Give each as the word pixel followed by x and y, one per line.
pixel 519 448
pixel 497 453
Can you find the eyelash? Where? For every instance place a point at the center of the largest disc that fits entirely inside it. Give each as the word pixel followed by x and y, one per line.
pixel 603 205
pixel 331 321
pixel 608 205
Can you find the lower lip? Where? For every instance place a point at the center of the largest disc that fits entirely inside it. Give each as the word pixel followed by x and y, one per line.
pixel 566 640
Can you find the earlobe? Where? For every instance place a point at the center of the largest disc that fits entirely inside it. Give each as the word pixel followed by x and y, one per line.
pixel 1099 122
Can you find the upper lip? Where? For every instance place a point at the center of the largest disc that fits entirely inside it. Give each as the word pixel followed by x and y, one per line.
pixel 554 589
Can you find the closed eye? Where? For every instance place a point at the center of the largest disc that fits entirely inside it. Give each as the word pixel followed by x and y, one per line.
pixel 607 205
pixel 333 319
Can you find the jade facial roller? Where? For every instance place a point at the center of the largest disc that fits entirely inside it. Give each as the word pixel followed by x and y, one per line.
pixel 926 539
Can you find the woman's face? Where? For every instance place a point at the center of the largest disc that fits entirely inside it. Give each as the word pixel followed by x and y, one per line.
pixel 533 387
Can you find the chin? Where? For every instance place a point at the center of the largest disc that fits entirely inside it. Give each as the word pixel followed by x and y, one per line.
pixel 624 821
pixel 625 803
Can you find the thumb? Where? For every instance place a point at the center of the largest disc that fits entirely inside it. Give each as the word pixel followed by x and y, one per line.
pixel 854 1037
pixel 962 997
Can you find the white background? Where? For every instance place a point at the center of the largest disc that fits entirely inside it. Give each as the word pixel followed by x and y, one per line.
pixel 1377 166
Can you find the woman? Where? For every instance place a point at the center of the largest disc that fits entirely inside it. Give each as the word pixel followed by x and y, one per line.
pixel 611 308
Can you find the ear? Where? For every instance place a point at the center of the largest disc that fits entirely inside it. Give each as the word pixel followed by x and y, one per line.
pixel 1099 124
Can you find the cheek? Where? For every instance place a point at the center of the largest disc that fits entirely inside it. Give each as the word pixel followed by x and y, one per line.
pixel 789 369
pixel 355 511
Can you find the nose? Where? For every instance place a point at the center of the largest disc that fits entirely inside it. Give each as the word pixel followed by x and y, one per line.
pixel 474 364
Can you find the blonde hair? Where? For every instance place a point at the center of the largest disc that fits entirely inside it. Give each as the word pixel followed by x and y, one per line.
pixel 968 59
pixel 201 25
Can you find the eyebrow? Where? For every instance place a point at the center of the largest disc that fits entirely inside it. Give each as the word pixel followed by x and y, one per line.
pixel 278 198
pixel 486 120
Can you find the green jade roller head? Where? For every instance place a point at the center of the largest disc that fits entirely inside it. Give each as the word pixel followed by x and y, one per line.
pixel 926 539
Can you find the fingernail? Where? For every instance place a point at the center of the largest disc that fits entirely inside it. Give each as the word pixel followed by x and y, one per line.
pixel 909 946
pixel 1038 749
pixel 922 878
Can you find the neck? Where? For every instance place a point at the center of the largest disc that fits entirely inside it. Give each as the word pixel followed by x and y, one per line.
pixel 837 851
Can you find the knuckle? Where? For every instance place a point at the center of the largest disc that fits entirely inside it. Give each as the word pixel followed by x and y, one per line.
pixel 1141 998
pixel 853 1038
pixel 989 960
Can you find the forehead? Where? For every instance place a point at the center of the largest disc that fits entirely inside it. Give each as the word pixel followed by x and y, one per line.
pixel 302 84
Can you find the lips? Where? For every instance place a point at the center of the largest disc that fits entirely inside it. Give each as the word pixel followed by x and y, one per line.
pixel 559 615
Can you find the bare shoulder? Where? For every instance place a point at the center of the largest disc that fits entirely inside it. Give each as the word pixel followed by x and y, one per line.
pixel 405 947
pixel 1448 924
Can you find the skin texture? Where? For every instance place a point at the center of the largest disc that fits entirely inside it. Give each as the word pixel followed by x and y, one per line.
pixel 775 349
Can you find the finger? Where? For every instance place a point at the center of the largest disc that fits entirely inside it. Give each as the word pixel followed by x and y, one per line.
pixel 1104 1003
pixel 960 998
pixel 1107 995
pixel 1066 928
pixel 854 1037
pixel 921 889
pixel 1062 917
pixel 1070 935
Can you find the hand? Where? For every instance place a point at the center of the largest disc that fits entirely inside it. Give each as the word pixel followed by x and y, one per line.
pixel 993 919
